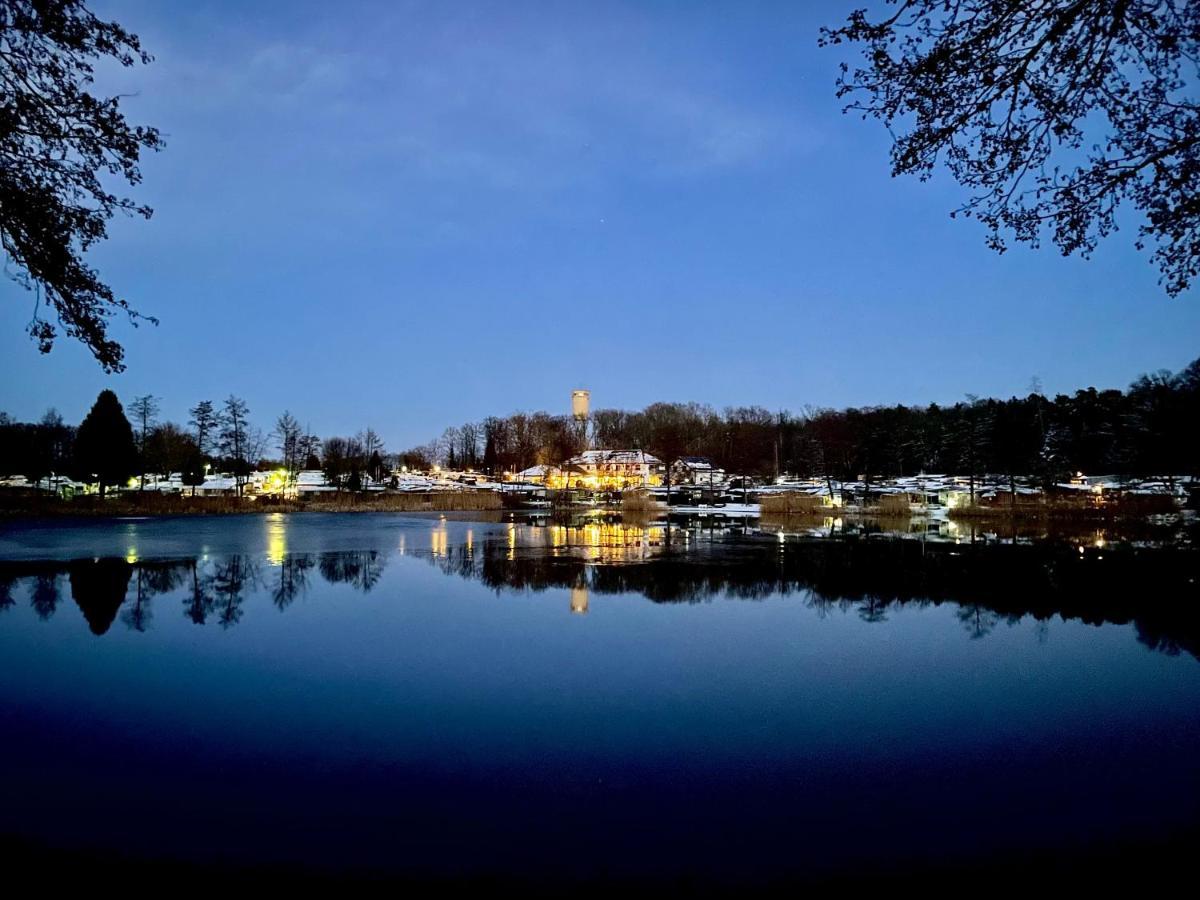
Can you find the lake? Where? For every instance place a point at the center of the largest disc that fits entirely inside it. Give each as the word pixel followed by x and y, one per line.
pixel 593 702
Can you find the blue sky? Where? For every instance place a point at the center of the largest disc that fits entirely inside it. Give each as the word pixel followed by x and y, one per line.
pixel 410 215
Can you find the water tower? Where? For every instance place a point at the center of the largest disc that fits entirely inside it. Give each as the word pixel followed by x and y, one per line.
pixel 580 405
pixel 581 402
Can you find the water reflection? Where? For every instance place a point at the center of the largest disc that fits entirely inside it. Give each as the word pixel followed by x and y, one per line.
pixel 992 581
pixel 200 603
pixel 233 579
pixel 276 539
pixel 579 599
pixel 44 595
pixel 360 569
pixel 291 579
pixel 98 587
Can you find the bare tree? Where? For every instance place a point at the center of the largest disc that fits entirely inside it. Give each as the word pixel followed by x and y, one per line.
pixel 62 151
pixel 310 449
pixel 333 461
pixel 144 413
pixel 235 439
pixel 169 449
pixel 372 449
pixel 205 421
pixel 288 436
pixel 1052 114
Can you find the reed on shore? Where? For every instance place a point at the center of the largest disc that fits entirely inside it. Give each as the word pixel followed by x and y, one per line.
pixel 793 503
pixel 639 501
pixel 1086 509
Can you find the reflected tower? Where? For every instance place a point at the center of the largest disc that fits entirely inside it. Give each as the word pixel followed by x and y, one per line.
pixel 579 599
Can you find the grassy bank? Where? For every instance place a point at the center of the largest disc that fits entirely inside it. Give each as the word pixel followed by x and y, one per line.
pixel 153 504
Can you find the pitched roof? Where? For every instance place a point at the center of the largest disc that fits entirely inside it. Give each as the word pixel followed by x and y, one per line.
pixel 613 457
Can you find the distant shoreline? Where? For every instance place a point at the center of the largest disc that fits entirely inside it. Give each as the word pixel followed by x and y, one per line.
pixel 154 505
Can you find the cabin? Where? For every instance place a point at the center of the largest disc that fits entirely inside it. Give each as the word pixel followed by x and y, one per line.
pixel 312 483
pixel 51 484
pixel 217 486
pixel 534 475
pixel 698 470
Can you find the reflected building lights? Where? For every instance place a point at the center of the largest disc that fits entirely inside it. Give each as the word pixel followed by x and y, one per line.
pixel 276 539
pixel 601 541
pixel 439 540
pixel 131 535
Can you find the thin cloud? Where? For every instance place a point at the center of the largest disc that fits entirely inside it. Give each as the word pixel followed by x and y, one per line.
pixel 506 105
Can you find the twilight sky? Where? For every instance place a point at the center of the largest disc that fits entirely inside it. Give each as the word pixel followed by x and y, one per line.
pixel 410 215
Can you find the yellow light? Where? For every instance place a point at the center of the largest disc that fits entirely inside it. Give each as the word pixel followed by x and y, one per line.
pixel 439 540
pixel 276 539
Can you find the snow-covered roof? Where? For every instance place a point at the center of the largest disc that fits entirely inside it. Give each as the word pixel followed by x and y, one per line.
pixel 613 457
pixel 219 483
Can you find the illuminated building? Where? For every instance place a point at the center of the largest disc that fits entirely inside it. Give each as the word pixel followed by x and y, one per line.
pixel 607 470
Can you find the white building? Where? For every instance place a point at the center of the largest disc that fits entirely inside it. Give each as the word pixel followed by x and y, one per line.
pixel 608 470
pixel 697 470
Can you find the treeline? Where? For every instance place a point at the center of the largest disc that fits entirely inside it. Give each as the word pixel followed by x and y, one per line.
pixel 116 443
pixel 1151 428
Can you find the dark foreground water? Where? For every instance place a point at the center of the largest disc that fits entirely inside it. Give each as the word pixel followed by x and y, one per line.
pixel 393 695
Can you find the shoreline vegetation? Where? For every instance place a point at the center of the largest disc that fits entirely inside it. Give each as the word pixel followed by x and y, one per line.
pixel 1126 507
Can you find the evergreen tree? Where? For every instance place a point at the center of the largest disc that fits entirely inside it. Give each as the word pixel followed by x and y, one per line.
pixel 104 446
pixel 205 421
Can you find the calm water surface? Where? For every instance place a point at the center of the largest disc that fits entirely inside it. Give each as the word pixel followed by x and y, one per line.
pixel 390 693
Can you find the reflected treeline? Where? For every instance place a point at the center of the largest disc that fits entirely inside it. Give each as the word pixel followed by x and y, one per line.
pixel 1155 589
pixel 213 591
pixel 361 569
